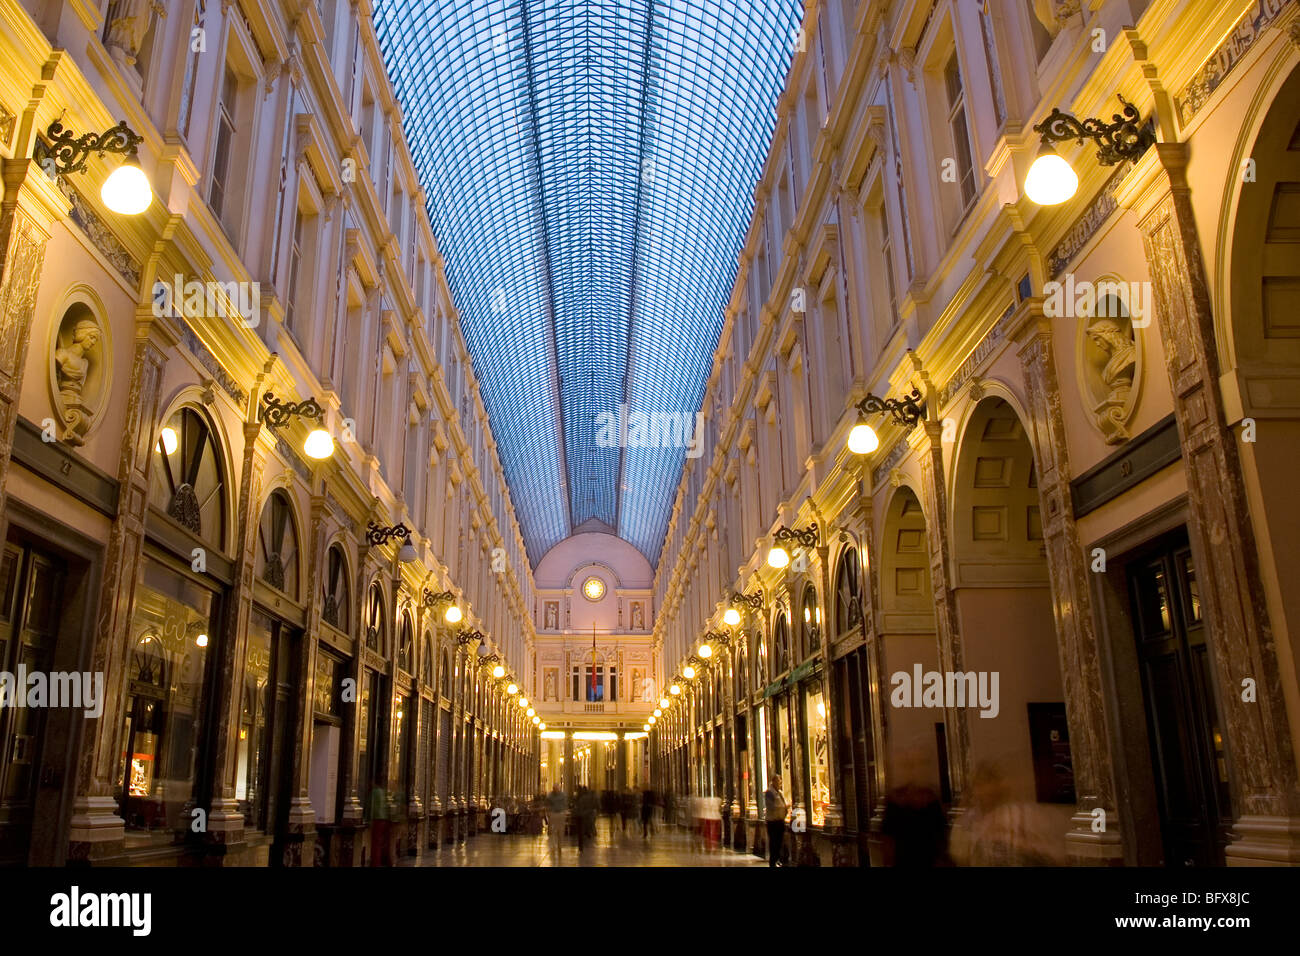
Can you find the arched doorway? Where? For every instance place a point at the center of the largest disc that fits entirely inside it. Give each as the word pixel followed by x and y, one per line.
pixel 916 748
pixel 372 768
pixel 1262 356
pixel 166 766
pixel 329 714
pixel 851 710
pixel 1017 725
pixel 271 675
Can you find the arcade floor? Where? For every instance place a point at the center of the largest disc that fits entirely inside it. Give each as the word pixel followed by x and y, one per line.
pixel 607 849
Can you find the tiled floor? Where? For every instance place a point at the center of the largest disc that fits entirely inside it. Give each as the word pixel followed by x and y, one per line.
pixel 609 849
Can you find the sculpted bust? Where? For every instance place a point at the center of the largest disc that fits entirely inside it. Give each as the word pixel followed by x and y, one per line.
pixel 78 373
pixel 72 362
pixel 1120 355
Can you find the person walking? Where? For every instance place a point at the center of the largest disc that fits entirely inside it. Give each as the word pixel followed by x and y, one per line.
pixel 647 812
pixel 775 810
pixel 628 806
pixel 585 809
pixel 557 811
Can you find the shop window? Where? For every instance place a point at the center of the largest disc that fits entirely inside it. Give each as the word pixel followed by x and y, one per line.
pixel 327 735
pixel 819 780
pixel 337 602
pixel 167 671
pixel 265 729
pixel 400 758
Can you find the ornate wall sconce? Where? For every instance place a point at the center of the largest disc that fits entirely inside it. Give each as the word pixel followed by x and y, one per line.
pixel 432 601
pixel 126 190
pixel 1051 180
pixel 905 411
pixel 278 413
pixel 779 556
pixel 378 535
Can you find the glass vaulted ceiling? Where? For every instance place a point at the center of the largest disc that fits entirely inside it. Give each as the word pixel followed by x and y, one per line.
pixel 589 170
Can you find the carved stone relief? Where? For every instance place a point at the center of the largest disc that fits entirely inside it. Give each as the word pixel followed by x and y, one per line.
pixel 80 371
pixel 1109 356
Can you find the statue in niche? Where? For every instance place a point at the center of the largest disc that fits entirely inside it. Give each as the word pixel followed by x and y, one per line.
pixel 1052 14
pixel 552 615
pixel 78 373
pixel 73 360
pixel 1117 357
pixel 549 692
pixel 128 22
pixel 638 617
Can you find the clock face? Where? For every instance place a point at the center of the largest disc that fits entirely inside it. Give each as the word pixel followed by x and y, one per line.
pixel 593 589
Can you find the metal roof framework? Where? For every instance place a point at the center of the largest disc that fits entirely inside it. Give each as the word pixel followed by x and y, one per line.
pixel 589 171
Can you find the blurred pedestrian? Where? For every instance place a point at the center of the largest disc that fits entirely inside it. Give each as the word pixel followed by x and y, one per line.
pixel 557 813
pixel 914 826
pixel 775 810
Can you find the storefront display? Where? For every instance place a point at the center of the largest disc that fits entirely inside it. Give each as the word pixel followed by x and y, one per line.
pixel 819 779
pixel 173 618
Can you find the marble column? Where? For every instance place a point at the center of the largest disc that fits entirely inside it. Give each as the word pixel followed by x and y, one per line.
pixel 225 843
pixel 29 208
pixel 1072 604
pixel 945 606
pixel 97 834
pixel 1262 763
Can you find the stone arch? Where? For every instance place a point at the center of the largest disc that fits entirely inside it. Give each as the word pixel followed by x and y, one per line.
pixel 1260 341
pixel 915 746
pixel 1004 603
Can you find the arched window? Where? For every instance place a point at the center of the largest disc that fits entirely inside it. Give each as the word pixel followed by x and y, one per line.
pixel 780 645
pixel 446 675
pixel 426 659
pixel 186 481
pixel 337 604
pixel 374 621
pixel 848 593
pixel 406 645
pixel 277 546
pixel 812 620
pixel 760 661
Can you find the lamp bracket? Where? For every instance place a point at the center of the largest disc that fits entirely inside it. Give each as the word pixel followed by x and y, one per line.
pixel 278 413
pixel 1121 139
pixel 906 411
pixel 70 153
pixel 377 535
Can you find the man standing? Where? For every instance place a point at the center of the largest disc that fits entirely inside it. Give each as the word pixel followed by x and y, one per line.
pixel 775 810
pixel 585 809
pixel 647 812
pixel 557 807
